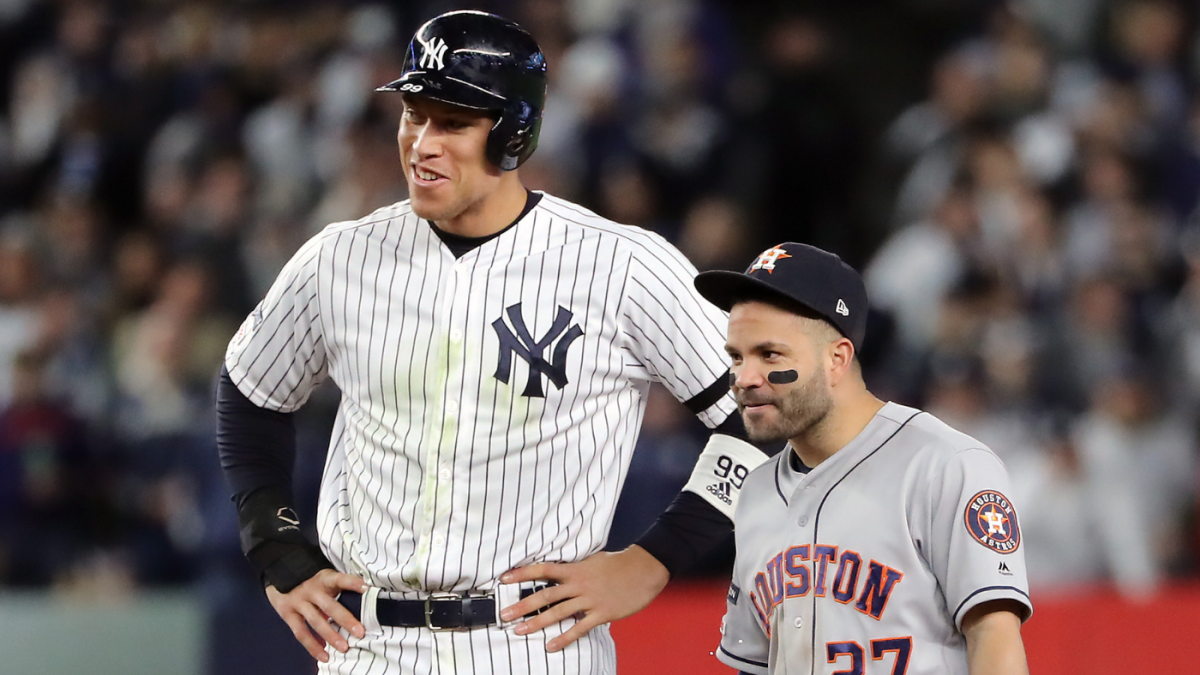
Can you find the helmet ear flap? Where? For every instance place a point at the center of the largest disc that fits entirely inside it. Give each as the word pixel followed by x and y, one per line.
pixel 511 142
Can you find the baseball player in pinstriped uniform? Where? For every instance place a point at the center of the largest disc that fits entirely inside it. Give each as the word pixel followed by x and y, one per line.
pixel 882 542
pixel 493 347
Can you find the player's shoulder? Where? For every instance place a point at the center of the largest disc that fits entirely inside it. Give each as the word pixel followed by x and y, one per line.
pixel 765 472
pixel 370 226
pixel 927 434
pixel 383 214
pixel 763 480
pixel 762 488
pixel 633 239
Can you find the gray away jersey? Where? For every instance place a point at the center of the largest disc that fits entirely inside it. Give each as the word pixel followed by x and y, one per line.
pixel 490 403
pixel 867 563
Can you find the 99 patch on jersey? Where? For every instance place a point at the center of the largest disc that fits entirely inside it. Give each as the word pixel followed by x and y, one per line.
pixel 992 521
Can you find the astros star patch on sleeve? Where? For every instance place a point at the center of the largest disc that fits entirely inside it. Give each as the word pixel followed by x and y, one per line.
pixel 992 521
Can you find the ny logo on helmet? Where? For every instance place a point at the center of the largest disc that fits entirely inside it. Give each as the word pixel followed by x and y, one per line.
pixel 523 345
pixel 432 53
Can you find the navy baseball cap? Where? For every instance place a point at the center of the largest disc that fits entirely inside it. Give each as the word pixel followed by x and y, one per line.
pixel 793 274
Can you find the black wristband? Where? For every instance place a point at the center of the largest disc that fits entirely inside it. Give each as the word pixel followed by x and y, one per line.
pixel 286 565
pixel 273 543
pixel 688 530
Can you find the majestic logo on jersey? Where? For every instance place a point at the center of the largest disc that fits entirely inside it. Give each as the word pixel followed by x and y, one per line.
pixel 432 53
pixel 803 569
pixel 766 260
pixel 523 345
pixel 992 521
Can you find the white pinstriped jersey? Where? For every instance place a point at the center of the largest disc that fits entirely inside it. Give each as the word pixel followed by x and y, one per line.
pixel 490 403
pixel 867 563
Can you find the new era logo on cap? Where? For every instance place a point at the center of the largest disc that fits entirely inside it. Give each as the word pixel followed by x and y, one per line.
pixel 842 308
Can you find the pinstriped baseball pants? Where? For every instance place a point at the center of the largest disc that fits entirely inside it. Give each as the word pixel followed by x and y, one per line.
pixel 481 651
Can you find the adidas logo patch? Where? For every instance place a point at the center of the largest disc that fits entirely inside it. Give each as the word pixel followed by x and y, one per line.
pixel 722 491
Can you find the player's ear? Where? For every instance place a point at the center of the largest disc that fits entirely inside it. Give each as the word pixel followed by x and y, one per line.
pixel 841 359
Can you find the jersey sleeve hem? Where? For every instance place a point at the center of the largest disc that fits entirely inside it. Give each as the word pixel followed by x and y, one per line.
pixel 710 396
pixel 238 373
pixel 740 663
pixel 714 415
pixel 993 593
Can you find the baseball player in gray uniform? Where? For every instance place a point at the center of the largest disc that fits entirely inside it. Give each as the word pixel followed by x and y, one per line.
pixel 883 541
pixel 493 347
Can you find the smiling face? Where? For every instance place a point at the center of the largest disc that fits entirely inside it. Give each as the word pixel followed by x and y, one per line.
pixel 443 151
pixel 763 339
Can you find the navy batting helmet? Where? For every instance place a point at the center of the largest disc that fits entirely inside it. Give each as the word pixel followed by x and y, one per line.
pixel 484 62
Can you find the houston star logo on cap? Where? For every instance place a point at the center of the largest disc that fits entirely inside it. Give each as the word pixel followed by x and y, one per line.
pixel 767 259
pixel 810 281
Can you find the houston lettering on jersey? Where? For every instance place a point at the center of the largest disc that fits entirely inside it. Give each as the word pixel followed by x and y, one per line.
pixel 805 569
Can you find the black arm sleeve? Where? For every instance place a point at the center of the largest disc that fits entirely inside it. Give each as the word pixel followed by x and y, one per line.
pixel 688 530
pixel 257 448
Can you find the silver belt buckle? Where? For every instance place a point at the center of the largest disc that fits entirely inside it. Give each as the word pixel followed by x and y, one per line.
pixel 429 611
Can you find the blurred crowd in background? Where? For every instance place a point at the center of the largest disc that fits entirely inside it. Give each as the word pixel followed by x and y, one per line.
pixel 1018 181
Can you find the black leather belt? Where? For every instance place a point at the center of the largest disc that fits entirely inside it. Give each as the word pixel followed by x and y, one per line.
pixel 439 611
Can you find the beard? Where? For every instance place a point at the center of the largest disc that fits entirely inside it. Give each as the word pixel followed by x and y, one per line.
pixel 798 409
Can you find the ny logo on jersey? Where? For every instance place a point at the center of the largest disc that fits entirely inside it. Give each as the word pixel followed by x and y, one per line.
pixel 432 53
pixel 523 345
pixel 767 259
